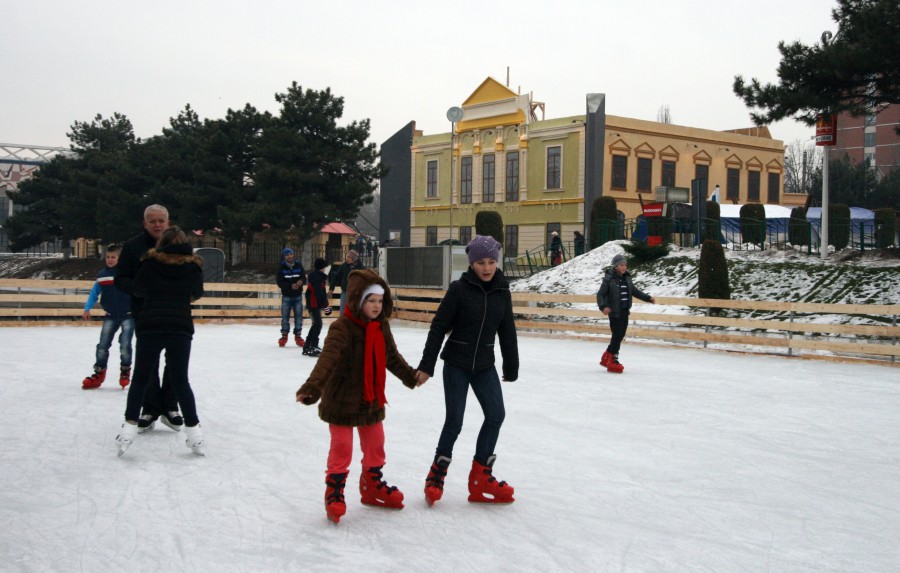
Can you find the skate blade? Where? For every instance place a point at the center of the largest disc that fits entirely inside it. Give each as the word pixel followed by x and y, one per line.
pixel 490 501
pixel 382 505
pixel 169 424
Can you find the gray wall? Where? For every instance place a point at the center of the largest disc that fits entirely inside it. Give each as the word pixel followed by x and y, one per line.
pixel 396 186
pixel 595 136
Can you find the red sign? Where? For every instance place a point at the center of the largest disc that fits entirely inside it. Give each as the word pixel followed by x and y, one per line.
pixel 826 130
pixel 653 209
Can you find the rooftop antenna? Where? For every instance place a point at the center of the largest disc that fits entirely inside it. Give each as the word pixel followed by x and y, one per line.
pixel 507 76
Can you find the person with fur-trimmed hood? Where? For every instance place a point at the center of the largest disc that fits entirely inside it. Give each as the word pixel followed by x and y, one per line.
pixel 349 379
pixel 614 300
pixel 169 279
pixel 476 309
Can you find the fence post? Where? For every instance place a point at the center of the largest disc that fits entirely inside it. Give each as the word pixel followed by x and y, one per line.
pixel 894 358
pixel 706 331
pixel 790 333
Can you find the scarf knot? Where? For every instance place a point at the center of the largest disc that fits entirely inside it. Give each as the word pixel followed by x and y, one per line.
pixel 374 359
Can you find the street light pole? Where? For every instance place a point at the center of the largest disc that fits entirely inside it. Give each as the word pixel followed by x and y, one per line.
pixel 454 114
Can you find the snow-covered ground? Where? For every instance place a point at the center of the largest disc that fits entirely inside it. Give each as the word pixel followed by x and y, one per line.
pixel 689 461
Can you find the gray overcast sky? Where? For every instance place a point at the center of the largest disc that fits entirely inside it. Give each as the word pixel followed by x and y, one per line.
pixel 393 62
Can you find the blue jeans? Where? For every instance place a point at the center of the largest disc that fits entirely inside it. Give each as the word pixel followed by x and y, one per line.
pixel 107 332
pixel 486 385
pixel 289 303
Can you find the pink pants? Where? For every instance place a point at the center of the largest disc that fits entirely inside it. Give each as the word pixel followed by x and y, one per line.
pixel 371 440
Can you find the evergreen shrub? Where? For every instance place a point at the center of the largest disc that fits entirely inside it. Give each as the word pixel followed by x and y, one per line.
pixel 753 223
pixel 489 223
pixel 885 227
pixel 604 220
pixel 839 226
pixel 713 272
pixel 798 227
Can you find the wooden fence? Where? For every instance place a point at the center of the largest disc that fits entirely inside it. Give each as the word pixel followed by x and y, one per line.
pixel 788 329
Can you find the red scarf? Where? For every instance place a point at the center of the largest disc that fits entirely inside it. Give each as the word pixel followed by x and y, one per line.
pixel 374 359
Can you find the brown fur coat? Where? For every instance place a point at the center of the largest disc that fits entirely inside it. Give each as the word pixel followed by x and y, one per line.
pixel 337 378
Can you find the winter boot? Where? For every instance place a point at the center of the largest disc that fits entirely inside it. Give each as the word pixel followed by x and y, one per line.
pixel 335 507
pixel 434 483
pixel 126 437
pixel 194 439
pixel 283 340
pixel 606 359
pixel 95 379
pixel 485 488
pixel 615 366
pixel 124 376
pixel 299 340
pixel 375 491
pixel 173 420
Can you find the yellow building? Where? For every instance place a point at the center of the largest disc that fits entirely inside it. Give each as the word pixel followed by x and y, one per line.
pixel 543 175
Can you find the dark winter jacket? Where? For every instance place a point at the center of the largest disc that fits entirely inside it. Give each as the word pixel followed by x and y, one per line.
pixel 114 302
pixel 168 281
pixel 337 378
pixel 129 263
pixel 316 297
pixel 474 312
pixel 609 294
pixel 288 275
pixel 342 274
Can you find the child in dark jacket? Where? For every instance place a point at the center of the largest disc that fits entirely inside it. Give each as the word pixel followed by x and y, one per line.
pixel 290 279
pixel 349 378
pixel 614 299
pixel 169 279
pixel 316 304
pixel 476 308
pixel 117 306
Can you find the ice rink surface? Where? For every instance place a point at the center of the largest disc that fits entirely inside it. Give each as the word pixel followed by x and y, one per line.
pixel 690 461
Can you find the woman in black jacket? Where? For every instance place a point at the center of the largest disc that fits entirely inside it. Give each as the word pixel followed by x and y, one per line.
pixel 476 308
pixel 614 299
pixel 168 281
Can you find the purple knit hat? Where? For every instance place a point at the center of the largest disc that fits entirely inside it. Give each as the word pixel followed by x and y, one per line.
pixel 483 247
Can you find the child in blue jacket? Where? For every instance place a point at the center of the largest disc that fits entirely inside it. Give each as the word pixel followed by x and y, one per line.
pixel 117 306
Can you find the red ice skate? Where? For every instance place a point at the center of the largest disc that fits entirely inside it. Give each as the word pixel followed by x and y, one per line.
pixel 606 359
pixel 485 488
pixel 283 340
pixel 95 379
pixel 298 340
pixel 335 507
pixel 376 492
pixel 434 483
pixel 124 376
pixel 615 366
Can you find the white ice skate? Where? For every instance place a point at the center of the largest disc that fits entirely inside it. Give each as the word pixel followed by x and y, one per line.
pixel 126 437
pixel 194 439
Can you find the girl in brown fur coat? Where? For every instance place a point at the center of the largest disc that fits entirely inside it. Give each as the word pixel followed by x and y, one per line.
pixel 349 379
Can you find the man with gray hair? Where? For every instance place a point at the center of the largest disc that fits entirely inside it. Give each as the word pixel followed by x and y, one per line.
pixel 342 275
pixel 159 399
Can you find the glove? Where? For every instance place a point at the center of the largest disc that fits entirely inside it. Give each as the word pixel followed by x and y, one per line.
pixel 326 311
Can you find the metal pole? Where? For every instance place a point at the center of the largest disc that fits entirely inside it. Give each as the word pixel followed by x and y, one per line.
pixel 823 232
pixel 452 137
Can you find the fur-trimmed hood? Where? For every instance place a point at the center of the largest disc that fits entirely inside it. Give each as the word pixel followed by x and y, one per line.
pixel 357 284
pixel 180 254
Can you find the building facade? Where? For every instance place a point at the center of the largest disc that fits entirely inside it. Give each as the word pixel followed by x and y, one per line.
pixel 543 175
pixel 872 139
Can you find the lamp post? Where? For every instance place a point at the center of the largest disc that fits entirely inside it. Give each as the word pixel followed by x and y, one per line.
pixel 454 114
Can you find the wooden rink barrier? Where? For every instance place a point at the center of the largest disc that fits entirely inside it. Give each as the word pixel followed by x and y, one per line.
pixel 30 302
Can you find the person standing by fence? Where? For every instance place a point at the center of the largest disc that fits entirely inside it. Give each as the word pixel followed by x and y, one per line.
pixel 290 279
pixel 342 274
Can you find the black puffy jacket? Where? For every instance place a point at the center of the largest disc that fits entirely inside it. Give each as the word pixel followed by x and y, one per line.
pixel 168 280
pixel 474 313
pixel 608 295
